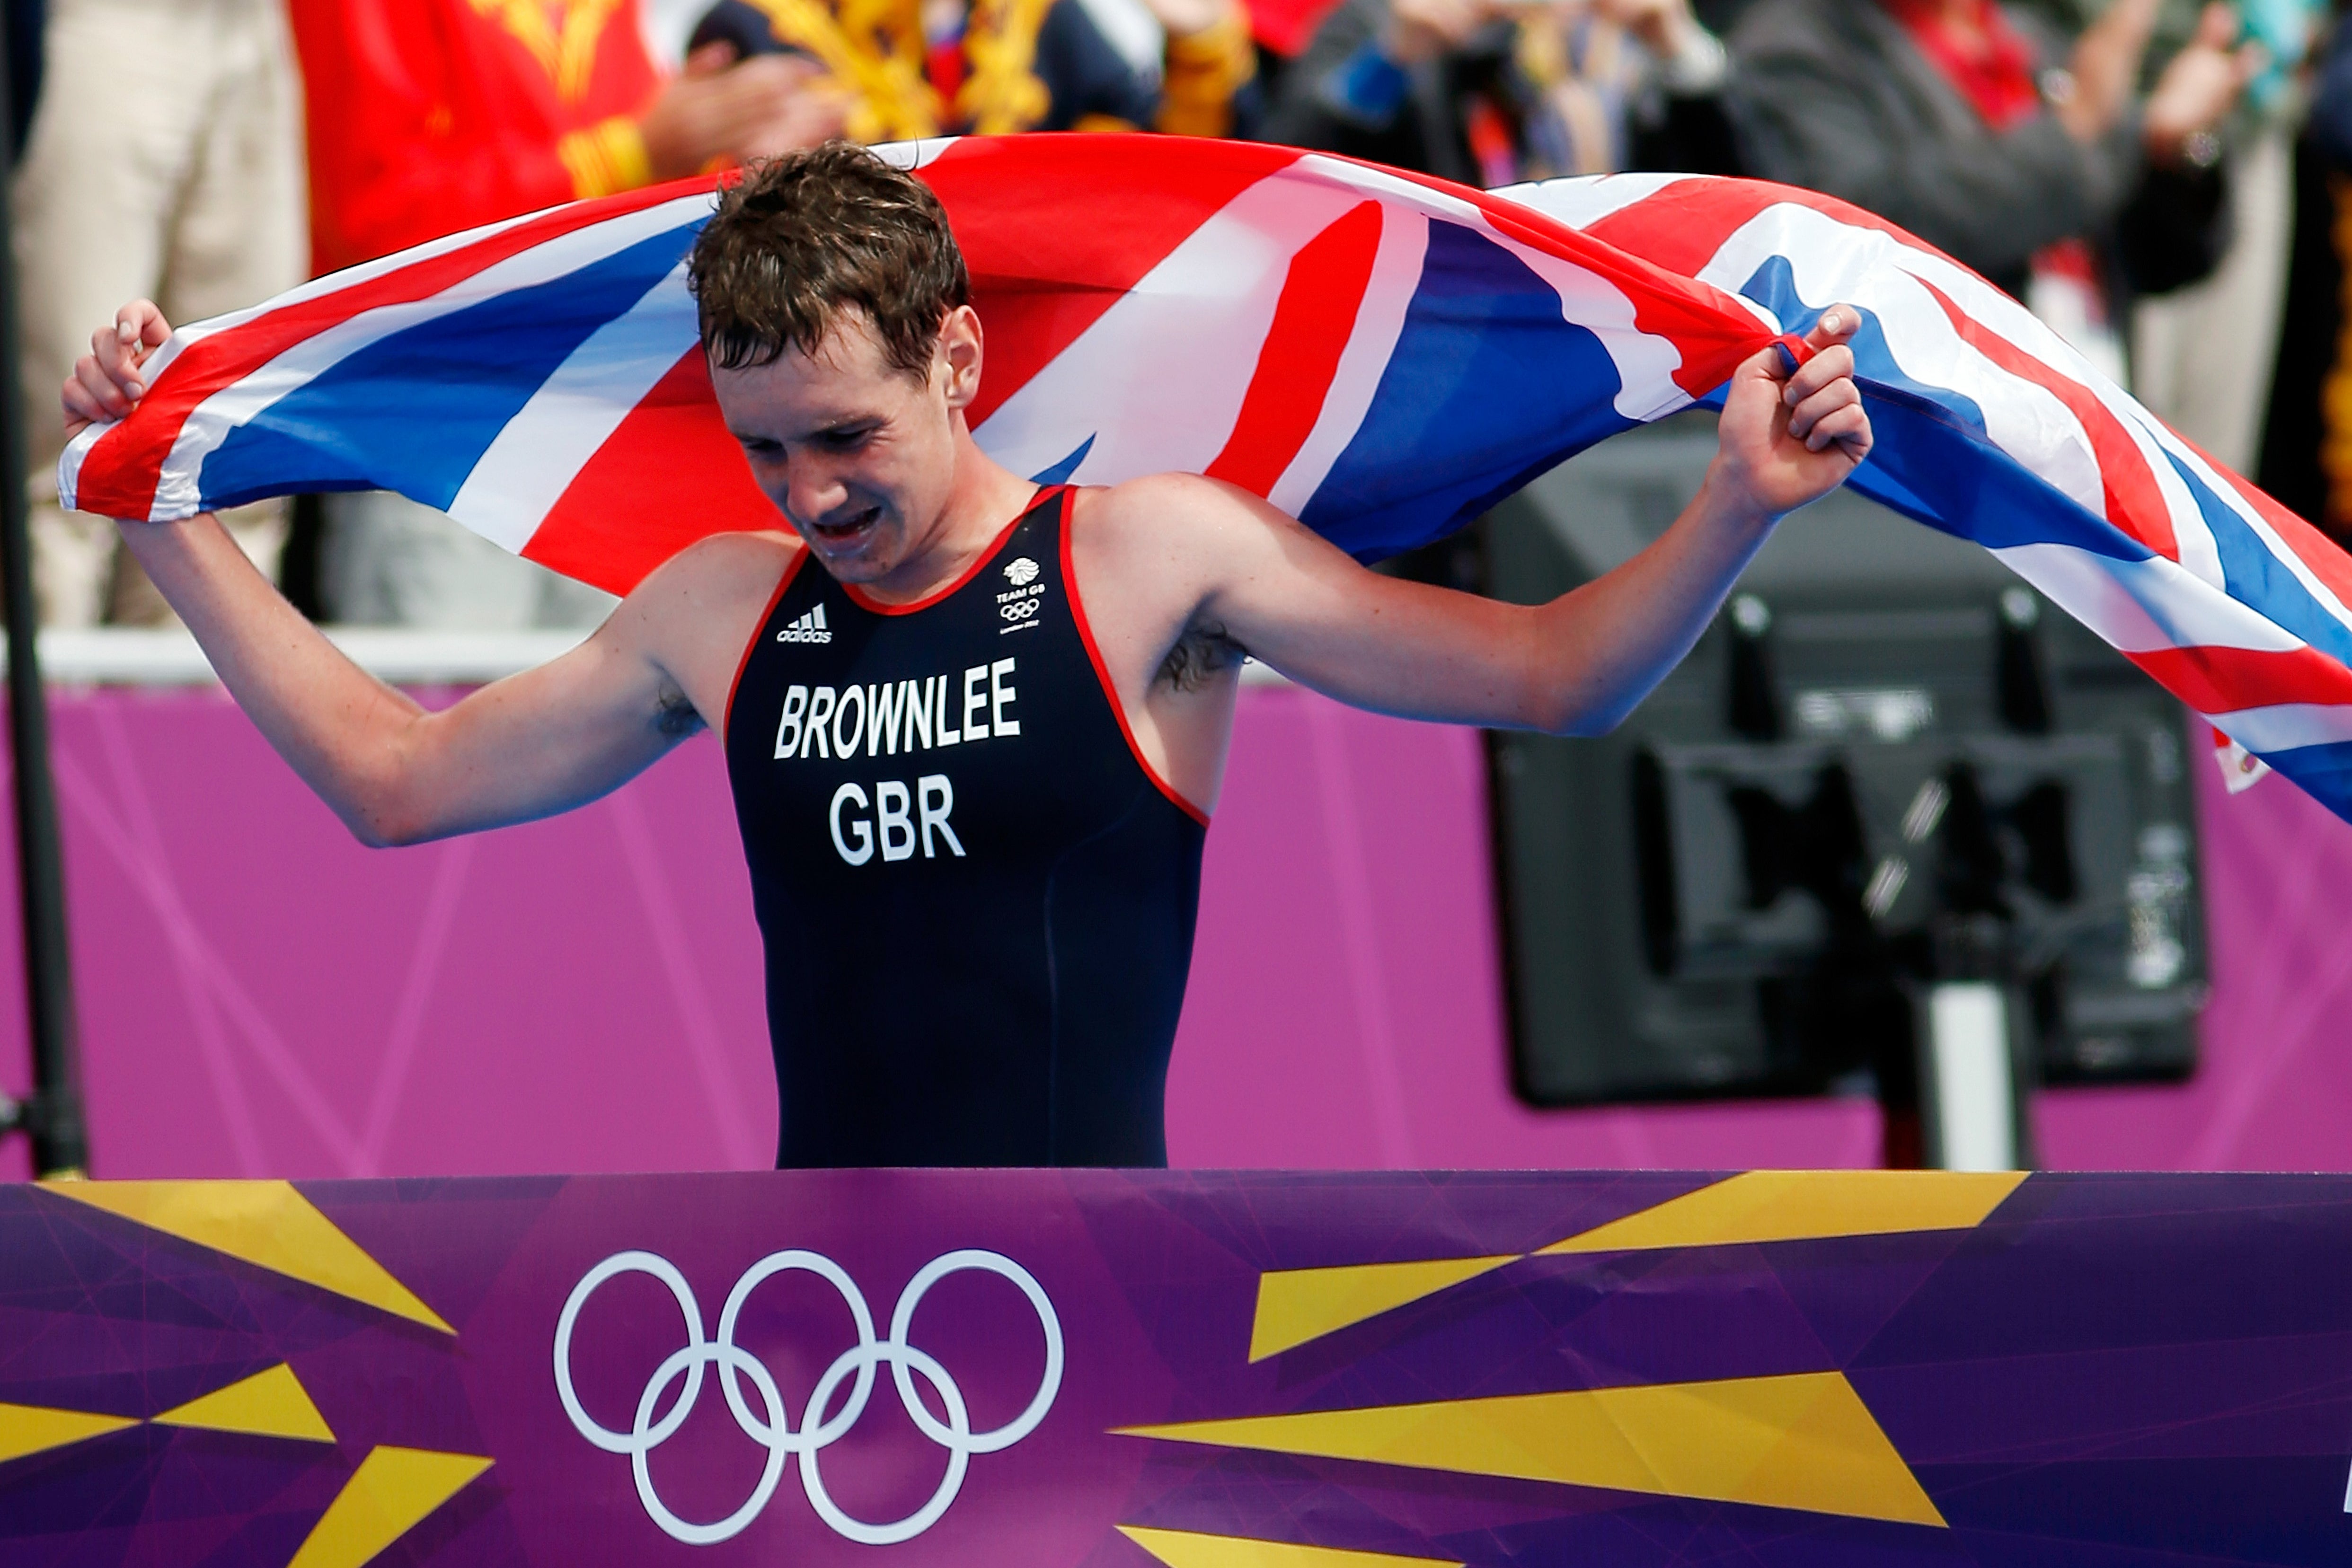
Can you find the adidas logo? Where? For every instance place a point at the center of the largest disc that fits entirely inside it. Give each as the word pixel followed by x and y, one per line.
pixel 808 628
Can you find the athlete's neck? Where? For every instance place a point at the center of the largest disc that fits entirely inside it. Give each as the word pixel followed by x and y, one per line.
pixel 983 497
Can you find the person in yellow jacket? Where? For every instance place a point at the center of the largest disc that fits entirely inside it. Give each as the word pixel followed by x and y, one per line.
pixel 928 67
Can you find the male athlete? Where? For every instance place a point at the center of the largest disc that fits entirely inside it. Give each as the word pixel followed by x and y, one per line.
pixel 974 728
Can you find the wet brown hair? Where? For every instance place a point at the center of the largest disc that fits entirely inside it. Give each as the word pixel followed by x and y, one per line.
pixel 803 238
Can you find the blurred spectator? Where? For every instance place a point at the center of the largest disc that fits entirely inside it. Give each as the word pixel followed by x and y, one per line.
pixel 2306 448
pixel 431 116
pixel 25 19
pixel 1980 130
pixel 1490 92
pixel 922 67
pixel 163 159
pixel 2203 355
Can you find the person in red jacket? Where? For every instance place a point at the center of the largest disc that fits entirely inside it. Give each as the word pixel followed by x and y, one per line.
pixel 431 116
pixel 427 117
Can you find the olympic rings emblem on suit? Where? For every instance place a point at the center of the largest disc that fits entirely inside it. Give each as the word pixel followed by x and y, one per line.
pixel 818 1431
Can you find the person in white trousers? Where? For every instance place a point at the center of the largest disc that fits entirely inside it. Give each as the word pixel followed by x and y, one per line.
pixel 185 186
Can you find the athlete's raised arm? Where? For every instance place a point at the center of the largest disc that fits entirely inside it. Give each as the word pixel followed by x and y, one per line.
pixel 527 746
pixel 1577 665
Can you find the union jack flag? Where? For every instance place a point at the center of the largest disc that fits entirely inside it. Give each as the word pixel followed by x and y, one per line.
pixel 1381 356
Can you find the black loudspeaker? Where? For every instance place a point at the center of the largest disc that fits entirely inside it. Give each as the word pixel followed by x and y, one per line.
pixel 1888 764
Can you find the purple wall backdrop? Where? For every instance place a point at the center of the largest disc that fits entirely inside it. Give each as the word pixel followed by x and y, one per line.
pixel 260 996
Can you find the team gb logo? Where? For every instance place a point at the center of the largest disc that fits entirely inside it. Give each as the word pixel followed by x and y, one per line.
pixel 1021 573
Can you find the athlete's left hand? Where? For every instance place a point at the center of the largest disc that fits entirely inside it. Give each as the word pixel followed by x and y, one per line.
pixel 1786 438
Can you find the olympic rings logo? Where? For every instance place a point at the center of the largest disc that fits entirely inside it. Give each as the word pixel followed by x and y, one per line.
pixel 818 1431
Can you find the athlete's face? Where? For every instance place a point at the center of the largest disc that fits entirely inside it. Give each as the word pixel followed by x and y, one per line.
pixel 859 454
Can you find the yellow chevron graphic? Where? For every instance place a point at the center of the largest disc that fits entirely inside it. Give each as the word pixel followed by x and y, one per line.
pixel 387 1496
pixel 1803 1441
pixel 1183 1548
pixel 271 1404
pixel 1804 1206
pixel 32 1428
pixel 265 1223
pixel 1296 1305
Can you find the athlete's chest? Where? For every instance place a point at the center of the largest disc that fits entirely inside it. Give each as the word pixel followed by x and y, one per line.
pixel 972 727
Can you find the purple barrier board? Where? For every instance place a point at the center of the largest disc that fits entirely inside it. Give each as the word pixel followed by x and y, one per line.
pixel 1191 1369
pixel 261 997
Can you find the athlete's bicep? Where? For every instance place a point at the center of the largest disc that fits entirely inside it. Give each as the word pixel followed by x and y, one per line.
pixel 582 725
pixel 546 739
pixel 1311 610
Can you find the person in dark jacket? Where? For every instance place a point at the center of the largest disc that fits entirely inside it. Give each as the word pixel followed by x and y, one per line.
pixel 24 20
pixel 1490 92
pixel 1987 134
pixel 2307 447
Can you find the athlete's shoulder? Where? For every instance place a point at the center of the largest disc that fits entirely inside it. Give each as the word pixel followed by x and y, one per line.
pixel 722 568
pixel 1165 508
pixel 716 586
pixel 1164 490
pixel 734 553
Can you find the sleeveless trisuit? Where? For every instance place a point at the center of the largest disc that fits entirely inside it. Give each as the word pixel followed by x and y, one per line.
pixel 977 900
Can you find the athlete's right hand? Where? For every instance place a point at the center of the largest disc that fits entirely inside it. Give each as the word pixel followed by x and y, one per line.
pixel 106 383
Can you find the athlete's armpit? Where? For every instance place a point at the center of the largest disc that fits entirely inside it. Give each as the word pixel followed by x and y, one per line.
pixel 1203 652
pixel 675 714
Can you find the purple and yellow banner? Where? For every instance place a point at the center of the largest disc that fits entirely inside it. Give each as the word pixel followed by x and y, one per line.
pixel 1200 1371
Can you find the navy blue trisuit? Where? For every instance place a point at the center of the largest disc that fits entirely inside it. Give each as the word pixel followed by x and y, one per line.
pixel 977 899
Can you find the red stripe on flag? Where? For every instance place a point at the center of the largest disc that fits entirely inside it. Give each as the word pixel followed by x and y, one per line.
pixel 2326 558
pixel 2216 680
pixel 123 467
pixel 1711 330
pixel 1680 228
pixel 1683 225
pixel 2134 504
pixel 1313 319
pixel 673 444
pixel 1056 229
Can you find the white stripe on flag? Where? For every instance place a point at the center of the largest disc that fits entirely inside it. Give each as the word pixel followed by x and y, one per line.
pixel 2005 317
pixel 1583 199
pixel 1832 262
pixel 69 462
pixel 1380 321
pixel 333 283
pixel 913 155
pixel 177 492
pixel 1157 380
pixel 1645 361
pixel 2019 414
pixel 186 337
pixel 533 460
pixel 2286 727
pixel 2278 548
pixel 2144 606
